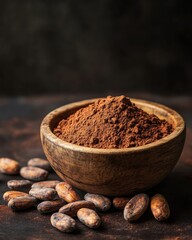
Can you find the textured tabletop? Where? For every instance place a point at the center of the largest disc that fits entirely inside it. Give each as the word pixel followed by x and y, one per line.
pixel 20 119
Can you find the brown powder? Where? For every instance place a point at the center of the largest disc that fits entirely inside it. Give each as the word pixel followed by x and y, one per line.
pixel 112 122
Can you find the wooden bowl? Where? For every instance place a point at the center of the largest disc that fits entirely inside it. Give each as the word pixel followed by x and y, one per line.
pixel 113 172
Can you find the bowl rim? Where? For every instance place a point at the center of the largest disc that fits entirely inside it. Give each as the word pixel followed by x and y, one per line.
pixel 47 132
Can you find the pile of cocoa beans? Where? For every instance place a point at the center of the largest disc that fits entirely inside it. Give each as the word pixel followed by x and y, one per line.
pixel 65 204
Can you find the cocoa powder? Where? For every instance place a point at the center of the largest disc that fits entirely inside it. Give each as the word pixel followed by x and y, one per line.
pixel 112 122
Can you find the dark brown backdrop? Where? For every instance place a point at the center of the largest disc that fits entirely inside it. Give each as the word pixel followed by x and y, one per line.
pixel 90 46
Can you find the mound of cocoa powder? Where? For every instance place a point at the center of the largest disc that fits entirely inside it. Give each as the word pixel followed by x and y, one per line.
pixel 112 122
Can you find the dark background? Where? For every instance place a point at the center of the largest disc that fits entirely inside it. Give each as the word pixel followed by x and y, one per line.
pixel 73 46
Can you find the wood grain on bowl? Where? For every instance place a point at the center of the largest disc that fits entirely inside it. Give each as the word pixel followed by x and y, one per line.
pixel 114 172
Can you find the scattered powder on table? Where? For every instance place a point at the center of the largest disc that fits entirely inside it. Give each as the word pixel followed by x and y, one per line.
pixel 112 122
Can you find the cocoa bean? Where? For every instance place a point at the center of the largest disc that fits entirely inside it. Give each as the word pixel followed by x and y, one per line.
pixel 63 222
pixel 50 206
pixel 43 193
pixel 101 203
pixel 7 196
pixel 66 192
pixel 71 209
pixel 89 217
pixel 9 166
pixel 18 184
pixel 120 202
pixel 22 203
pixel 39 162
pixel 34 173
pixel 45 184
pixel 160 207
pixel 135 208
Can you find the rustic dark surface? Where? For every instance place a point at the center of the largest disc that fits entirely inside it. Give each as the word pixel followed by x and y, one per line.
pixel 19 138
